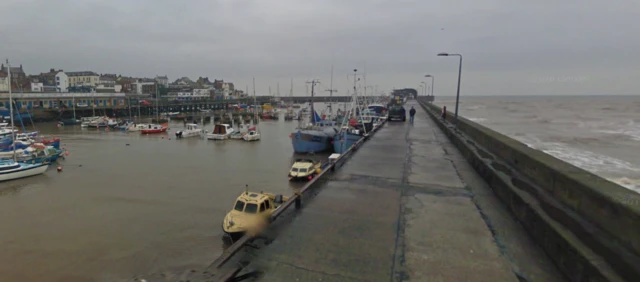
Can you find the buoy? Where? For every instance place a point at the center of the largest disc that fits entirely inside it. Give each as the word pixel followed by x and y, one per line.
pixel 59 168
pixel 66 153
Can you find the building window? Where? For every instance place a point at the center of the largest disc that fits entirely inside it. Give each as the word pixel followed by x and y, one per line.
pixel 58 83
pixel 57 78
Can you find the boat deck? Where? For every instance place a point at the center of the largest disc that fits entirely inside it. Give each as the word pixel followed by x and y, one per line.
pixel 405 207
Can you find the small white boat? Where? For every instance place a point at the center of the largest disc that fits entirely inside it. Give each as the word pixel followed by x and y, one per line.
pixel 251 136
pixel 192 130
pixel 10 169
pixel 6 129
pixel 136 127
pixel 241 132
pixel 220 132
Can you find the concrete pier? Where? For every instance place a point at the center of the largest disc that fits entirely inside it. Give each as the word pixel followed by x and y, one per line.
pixel 405 207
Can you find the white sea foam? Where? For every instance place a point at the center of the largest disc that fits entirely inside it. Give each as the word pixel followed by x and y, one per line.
pixel 590 161
pixel 475 119
pixel 476 107
pixel 630 128
pixel 632 184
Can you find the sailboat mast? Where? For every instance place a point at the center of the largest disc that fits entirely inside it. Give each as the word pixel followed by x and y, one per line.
pixel 13 133
pixel 157 116
pixel 255 103
pixel 313 113
pixel 331 90
pixel 73 100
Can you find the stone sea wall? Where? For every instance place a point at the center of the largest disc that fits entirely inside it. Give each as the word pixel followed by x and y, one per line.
pixel 588 225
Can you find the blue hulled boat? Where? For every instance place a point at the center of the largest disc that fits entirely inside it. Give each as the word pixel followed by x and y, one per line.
pixel 344 140
pixel 317 137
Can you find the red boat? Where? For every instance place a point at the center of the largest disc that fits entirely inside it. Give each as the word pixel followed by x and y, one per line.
pixel 155 128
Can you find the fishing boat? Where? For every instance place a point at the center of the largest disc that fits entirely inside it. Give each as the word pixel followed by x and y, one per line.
pixel 191 130
pixel 345 139
pixel 39 153
pixel 251 213
pixel 220 132
pixel 10 168
pixel 317 136
pixel 155 128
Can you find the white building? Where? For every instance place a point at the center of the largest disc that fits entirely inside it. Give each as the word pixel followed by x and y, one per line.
pixel 36 86
pixel 62 82
pixel 197 94
pixel 163 80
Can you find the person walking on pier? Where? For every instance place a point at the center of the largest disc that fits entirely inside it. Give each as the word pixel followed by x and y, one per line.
pixel 444 113
pixel 412 113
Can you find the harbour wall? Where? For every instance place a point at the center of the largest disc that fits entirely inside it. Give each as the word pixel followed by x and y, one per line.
pixel 589 226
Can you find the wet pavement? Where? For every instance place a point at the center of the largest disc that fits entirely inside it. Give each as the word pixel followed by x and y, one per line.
pixel 405 207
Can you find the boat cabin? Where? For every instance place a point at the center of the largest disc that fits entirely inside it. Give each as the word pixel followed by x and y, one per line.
pixel 221 128
pixel 192 126
pixel 255 203
pixel 304 167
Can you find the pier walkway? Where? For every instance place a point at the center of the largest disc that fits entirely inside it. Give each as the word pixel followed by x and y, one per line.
pixel 405 207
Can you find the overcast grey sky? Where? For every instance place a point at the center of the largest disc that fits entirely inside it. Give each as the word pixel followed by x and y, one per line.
pixel 509 47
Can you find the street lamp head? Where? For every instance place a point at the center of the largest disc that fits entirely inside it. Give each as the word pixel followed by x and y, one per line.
pixel 443 54
pixel 355 70
pixel 428 75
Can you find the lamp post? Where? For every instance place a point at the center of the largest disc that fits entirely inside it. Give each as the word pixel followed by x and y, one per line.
pixel 432 82
pixel 455 118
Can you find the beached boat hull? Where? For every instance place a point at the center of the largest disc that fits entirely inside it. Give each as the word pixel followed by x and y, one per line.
pixel 153 131
pixel 24 170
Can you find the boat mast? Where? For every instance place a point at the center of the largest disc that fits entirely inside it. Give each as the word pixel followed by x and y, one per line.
pixel 73 100
pixel 331 90
pixel 157 119
pixel 255 104
pixel 129 103
pixel 13 133
pixel 313 113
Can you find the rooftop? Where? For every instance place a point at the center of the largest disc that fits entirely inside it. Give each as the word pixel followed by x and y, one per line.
pixel 82 73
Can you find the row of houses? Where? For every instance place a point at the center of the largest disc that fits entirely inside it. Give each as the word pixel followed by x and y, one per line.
pixel 59 81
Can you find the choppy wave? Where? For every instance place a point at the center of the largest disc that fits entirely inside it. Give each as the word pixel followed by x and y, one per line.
pixel 629 128
pixel 476 119
pixel 632 184
pixel 476 107
pixel 590 161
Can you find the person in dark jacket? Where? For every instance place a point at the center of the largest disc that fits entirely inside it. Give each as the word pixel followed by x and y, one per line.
pixel 412 113
pixel 444 113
